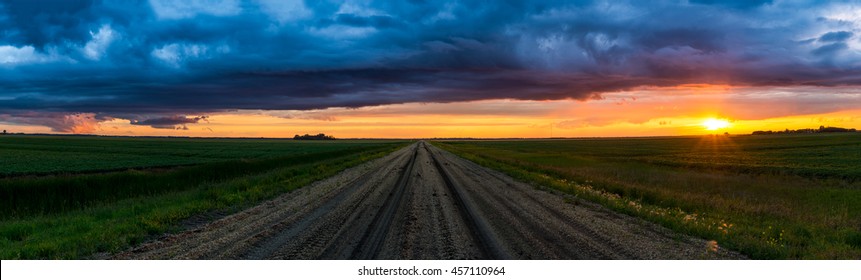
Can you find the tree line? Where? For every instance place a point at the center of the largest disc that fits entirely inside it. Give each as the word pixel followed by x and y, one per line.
pixel 822 129
pixel 320 136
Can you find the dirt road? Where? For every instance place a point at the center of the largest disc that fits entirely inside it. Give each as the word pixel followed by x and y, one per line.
pixel 424 203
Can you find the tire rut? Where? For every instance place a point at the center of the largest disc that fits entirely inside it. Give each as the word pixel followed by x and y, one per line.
pixel 371 242
pixel 487 241
pixel 421 202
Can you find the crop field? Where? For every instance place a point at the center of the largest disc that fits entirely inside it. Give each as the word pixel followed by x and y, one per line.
pixel 765 196
pixel 74 196
pixel 768 196
pixel 39 155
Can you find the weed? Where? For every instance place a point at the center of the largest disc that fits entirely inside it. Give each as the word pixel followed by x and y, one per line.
pixel 76 215
pixel 768 197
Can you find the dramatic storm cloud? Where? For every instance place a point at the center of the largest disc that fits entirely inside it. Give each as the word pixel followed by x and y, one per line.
pixel 76 61
pixel 172 122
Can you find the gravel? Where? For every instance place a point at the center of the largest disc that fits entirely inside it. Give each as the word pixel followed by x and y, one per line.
pixel 421 202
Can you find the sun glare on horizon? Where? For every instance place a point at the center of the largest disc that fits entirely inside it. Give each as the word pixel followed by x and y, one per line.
pixel 715 124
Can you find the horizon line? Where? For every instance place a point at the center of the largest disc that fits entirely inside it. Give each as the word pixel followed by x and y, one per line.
pixel 384 138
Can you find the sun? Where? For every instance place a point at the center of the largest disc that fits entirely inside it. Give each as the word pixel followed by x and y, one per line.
pixel 715 124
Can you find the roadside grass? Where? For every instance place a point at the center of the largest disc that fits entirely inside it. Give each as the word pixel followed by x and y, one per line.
pixel 809 211
pixel 29 196
pixel 118 219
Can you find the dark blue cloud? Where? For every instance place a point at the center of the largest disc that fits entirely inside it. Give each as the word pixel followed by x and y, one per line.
pixel 742 4
pixel 141 60
pixel 171 122
pixel 837 36
pixel 830 49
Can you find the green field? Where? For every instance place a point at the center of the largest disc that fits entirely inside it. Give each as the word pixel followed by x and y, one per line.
pixel 73 196
pixel 39 155
pixel 769 196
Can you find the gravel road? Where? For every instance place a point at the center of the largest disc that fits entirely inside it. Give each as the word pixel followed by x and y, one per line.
pixel 421 202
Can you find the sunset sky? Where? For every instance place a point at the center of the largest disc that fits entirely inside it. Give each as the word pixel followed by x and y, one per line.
pixel 272 68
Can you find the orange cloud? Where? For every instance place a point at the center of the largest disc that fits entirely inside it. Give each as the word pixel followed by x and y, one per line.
pixel 646 112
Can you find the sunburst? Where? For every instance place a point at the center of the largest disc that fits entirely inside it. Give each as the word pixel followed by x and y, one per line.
pixel 715 124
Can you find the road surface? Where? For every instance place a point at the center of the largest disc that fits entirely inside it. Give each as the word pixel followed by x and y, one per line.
pixel 422 202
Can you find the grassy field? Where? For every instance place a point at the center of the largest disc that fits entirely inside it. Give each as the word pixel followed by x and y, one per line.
pixel 770 196
pixel 40 155
pixel 72 197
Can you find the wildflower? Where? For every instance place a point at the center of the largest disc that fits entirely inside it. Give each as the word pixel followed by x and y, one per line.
pixel 712 246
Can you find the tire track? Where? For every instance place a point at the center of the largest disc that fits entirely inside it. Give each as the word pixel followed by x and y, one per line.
pixel 421 202
pixel 480 230
pixel 620 251
pixel 371 242
pixel 334 236
pixel 256 232
pixel 291 229
pixel 281 233
pixel 598 248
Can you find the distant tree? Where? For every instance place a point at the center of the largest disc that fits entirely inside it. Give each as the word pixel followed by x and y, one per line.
pixel 4 131
pixel 834 129
pixel 822 129
pixel 320 136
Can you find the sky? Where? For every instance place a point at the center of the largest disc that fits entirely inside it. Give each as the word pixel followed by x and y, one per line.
pixel 414 68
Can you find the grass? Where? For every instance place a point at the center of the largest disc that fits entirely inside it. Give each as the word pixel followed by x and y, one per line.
pixel 72 216
pixel 44 155
pixel 770 197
